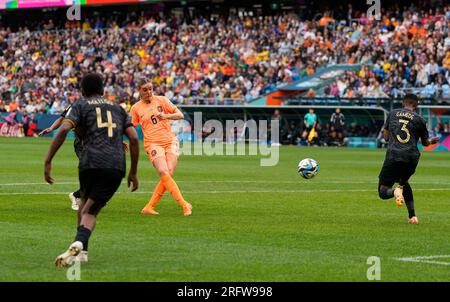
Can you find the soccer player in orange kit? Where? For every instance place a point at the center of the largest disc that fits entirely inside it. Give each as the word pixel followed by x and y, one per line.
pixel 153 113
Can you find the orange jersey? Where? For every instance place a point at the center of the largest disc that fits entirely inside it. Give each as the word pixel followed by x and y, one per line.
pixel 156 131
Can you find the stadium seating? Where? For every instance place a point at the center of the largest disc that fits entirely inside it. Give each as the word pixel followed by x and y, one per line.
pixel 234 58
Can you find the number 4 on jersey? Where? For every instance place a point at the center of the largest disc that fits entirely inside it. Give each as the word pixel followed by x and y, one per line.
pixel 109 122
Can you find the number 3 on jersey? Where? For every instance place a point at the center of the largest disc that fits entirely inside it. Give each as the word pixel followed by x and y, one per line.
pixel 408 135
pixel 109 122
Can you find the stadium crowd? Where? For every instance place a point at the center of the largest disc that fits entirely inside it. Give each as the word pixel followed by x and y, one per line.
pixel 234 58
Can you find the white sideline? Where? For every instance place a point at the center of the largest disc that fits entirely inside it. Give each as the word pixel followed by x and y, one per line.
pixel 224 192
pixel 237 181
pixel 425 259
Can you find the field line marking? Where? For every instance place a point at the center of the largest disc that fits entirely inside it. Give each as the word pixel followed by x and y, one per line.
pixel 225 192
pixel 425 259
pixel 230 181
pixel 37 183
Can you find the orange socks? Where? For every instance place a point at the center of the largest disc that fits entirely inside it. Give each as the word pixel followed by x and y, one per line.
pixel 157 194
pixel 172 187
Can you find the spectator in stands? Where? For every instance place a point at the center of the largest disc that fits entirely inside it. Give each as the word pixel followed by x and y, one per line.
pixel 241 57
pixel 29 124
pixel 13 106
pixel 2 107
pixel 311 93
pixel 431 70
pixel 447 128
pixel 12 119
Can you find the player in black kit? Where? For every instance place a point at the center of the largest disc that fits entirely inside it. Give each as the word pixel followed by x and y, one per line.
pixel 78 146
pixel 75 197
pixel 403 129
pixel 101 124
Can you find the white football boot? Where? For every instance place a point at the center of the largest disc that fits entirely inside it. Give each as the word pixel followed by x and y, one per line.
pixel 82 256
pixel 398 194
pixel 75 201
pixel 66 258
pixel 413 220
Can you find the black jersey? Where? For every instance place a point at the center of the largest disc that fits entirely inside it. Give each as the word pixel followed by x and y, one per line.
pixel 405 129
pixel 100 125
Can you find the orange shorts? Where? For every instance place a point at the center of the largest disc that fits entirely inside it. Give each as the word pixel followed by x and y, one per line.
pixel 157 150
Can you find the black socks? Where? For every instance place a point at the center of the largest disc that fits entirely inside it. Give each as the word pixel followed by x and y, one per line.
pixel 409 199
pixel 77 194
pixel 83 235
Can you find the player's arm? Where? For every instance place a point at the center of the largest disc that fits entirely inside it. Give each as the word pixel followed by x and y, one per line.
pixel 177 115
pixel 424 136
pixel 171 112
pixel 134 116
pixel 426 142
pixel 386 134
pixel 56 143
pixel 56 124
pixel 386 127
pixel 132 135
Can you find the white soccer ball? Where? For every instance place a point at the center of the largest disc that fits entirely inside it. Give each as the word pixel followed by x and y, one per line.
pixel 308 168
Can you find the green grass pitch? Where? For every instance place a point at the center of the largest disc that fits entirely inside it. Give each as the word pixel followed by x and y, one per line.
pixel 249 223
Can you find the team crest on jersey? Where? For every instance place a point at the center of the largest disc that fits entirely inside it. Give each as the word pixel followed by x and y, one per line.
pixel 160 109
pixel 153 152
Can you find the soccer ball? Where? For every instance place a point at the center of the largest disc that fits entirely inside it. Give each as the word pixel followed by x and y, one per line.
pixel 308 168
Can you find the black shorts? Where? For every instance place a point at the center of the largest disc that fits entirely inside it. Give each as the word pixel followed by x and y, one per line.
pixel 99 185
pixel 396 172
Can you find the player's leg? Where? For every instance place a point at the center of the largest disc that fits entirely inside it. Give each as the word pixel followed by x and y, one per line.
pixel 98 186
pixel 160 164
pixel 160 189
pixel 385 190
pixel 77 194
pixel 157 194
pixel 409 200
pixel 389 175
pixel 78 250
pixel 172 155
pixel 408 170
pixel 172 161
pixel 75 197
pixel 154 152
